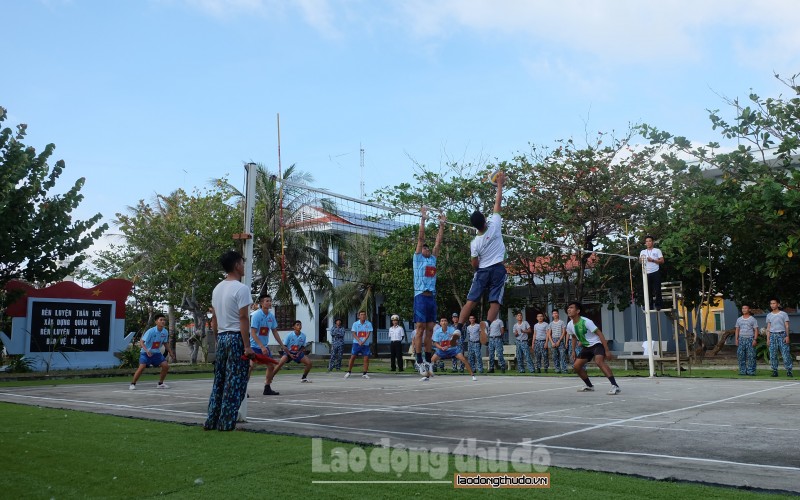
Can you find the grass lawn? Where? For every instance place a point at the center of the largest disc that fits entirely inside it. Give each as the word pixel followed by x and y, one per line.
pixel 66 454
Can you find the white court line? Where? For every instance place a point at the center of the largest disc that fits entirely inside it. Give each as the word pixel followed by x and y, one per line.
pixel 97 403
pixel 632 419
pixel 363 431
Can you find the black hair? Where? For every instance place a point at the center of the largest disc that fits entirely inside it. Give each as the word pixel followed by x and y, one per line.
pixel 477 220
pixel 649 236
pixel 297 322
pixel 229 259
pixel 577 305
pixel 157 316
pixel 263 296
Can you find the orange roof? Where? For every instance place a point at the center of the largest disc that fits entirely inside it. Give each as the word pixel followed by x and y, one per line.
pixel 543 264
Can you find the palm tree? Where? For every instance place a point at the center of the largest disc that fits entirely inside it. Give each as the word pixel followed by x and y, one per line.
pixel 359 288
pixel 290 259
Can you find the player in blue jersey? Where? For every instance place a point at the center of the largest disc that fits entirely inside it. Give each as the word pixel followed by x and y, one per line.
pixel 448 345
pixel 150 353
pixel 425 293
pixel 294 349
pixel 262 322
pixel 362 333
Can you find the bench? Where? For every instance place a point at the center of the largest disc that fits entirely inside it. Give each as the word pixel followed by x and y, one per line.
pixel 509 354
pixel 409 359
pixel 633 351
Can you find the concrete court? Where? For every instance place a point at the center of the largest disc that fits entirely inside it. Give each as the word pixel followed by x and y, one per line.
pixel 729 432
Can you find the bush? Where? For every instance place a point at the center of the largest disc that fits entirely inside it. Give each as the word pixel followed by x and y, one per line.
pixel 18 363
pixel 129 358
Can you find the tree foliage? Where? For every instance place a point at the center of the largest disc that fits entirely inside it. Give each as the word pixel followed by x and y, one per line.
pixel 735 219
pixel 171 251
pixel 42 242
pixel 566 202
pixel 291 263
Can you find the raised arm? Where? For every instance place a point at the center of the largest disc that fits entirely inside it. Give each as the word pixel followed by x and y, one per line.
pixel 498 199
pixel 439 235
pixel 421 236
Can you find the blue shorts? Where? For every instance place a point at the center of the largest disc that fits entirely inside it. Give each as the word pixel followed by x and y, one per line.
pixel 492 278
pixel 258 350
pixel 155 359
pixel 361 350
pixel 425 308
pixel 449 353
pixel 298 359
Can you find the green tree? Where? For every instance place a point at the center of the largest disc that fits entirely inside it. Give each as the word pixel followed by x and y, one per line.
pixel 570 201
pixel 736 215
pixel 42 242
pixel 171 251
pixel 290 257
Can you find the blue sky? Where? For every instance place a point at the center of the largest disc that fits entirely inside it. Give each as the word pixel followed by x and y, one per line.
pixel 145 96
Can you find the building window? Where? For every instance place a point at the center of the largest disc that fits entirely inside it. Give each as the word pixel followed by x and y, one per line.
pixel 718 322
pixel 285 316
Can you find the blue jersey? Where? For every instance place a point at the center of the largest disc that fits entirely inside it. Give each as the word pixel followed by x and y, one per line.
pixel 424 274
pixel 362 331
pixel 262 323
pixel 295 343
pixel 153 339
pixel 443 338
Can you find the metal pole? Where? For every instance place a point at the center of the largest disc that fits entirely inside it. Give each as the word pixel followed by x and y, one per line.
pixel 648 328
pixel 249 207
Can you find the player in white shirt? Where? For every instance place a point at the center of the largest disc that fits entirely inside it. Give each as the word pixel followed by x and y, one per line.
pixel 487 252
pixel 653 259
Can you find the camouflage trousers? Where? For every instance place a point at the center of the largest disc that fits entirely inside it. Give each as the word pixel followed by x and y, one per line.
pixel 524 356
pixel 337 348
pixel 474 357
pixel 560 358
pixel 777 342
pixel 231 374
pixel 746 355
pixel 540 356
pixel 496 347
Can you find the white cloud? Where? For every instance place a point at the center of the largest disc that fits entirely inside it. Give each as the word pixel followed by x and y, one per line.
pixel 610 30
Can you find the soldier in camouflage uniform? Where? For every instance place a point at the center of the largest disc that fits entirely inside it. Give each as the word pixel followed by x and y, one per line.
pixel 474 357
pixel 557 338
pixel 496 331
pixel 746 338
pixel 337 346
pixel 521 331
pixel 540 355
pixel 778 338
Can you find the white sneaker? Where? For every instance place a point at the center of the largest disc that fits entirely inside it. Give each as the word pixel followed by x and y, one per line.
pixel 347 375
pixel 132 387
pixel 614 390
pixel 424 379
pixel 162 386
pixel 305 381
pixel 428 370
pixel 586 388
pixel 421 368
pixel 474 378
pixel 365 376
